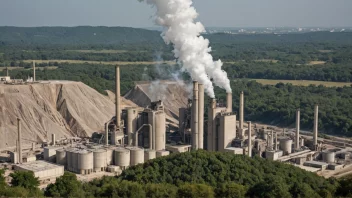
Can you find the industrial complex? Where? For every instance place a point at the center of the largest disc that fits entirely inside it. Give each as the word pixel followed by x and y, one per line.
pixel 138 134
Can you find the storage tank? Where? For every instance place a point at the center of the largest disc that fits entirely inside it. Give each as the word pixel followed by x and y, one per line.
pixel 122 157
pixel 149 155
pixel 61 157
pixel 286 146
pixel 137 155
pixel 69 159
pixel 329 157
pixel 85 161
pixel 162 153
pixel 109 156
pixel 160 130
pixel 74 158
pixel 99 157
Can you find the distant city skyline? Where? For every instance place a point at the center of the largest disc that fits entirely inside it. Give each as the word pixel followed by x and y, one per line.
pixel 223 13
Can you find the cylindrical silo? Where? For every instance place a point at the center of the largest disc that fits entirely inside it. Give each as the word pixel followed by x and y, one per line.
pixel 74 158
pixel 162 153
pixel 61 157
pixel 122 157
pixel 149 155
pixel 137 155
pixel 69 159
pixel 109 156
pixel 99 157
pixel 85 161
pixel 160 130
pixel 286 146
pixel 329 157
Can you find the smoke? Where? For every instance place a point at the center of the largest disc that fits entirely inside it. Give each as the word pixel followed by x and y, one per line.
pixel 190 48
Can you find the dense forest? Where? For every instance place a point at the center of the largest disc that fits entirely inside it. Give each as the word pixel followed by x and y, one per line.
pixel 263 103
pixel 195 174
pixel 320 56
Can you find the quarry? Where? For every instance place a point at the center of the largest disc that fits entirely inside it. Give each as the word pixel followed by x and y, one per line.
pixel 48 127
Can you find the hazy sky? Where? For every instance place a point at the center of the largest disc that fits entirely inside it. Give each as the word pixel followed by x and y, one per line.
pixel 213 13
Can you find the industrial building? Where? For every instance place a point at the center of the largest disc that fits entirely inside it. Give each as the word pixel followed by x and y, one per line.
pixel 135 135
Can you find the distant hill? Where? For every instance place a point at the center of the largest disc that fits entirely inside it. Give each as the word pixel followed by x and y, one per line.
pixel 77 35
pixel 87 35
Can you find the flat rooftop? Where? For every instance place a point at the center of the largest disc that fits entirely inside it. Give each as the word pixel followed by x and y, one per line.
pixel 38 166
pixel 316 163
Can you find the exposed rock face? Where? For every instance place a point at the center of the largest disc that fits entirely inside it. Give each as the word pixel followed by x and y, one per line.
pixel 56 107
pixel 173 94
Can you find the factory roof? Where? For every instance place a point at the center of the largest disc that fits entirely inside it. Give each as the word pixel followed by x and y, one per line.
pixel 315 163
pixel 37 166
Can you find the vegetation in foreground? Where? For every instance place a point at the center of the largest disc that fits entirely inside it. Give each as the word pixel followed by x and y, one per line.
pixel 195 174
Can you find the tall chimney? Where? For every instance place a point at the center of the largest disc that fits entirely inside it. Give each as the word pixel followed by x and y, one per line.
pixel 195 115
pixel 249 139
pixel 315 129
pixel 53 140
pixel 210 135
pixel 229 102
pixel 33 71
pixel 129 126
pixel 107 133
pixel 7 71
pixel 118 99
pixel 201 116
pixel 298 118
pixel 276 143
pixel 241 115
pixel 19 150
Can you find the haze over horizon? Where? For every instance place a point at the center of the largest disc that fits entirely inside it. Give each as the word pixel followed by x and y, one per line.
pixel 131 13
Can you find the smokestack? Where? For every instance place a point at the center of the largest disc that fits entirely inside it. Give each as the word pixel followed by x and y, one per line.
pixel 195 116
pixel 19 150
pixel 211 116
pixel 129 126
pixel 201 116
pixel 241 114
pixel 53 141
pixel 276 144
pixel 107 133
pixel 298 119
pixel 249 139
pixel 229 102
pixel 118 99
pixel 7 71
pixel 33 71
pixel 315 129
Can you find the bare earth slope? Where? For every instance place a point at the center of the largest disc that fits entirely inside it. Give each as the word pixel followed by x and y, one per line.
pixel 62 108
pixel 173 94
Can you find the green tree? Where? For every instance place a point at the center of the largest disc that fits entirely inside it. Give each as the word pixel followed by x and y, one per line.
pixel 2 179
pixel 24 179
pixel 231 190
pixel 270 188
pixel 160 190
pixel 195 191
pixel 65 186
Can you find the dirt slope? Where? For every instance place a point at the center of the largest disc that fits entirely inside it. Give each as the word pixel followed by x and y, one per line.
pixel 173 94
pixel 63 108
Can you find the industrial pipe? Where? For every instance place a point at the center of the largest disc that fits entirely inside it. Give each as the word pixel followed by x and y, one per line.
pixel 315 129
pixel 117 98
pixel 33 71
pixel 19 140
pixel 211 117
pixel 150 135
pixel 229 102
pixel 276 144
pixel 107 133
pixel 129 125
pixel 241 114
pixel 201 116
pixel 53 139
pixel 298 115
pixel 249 139
pixel 195 116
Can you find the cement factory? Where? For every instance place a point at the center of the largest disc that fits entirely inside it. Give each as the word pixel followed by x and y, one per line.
pixel 136 135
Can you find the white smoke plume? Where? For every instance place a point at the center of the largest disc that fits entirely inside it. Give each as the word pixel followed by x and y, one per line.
pixel 190 48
